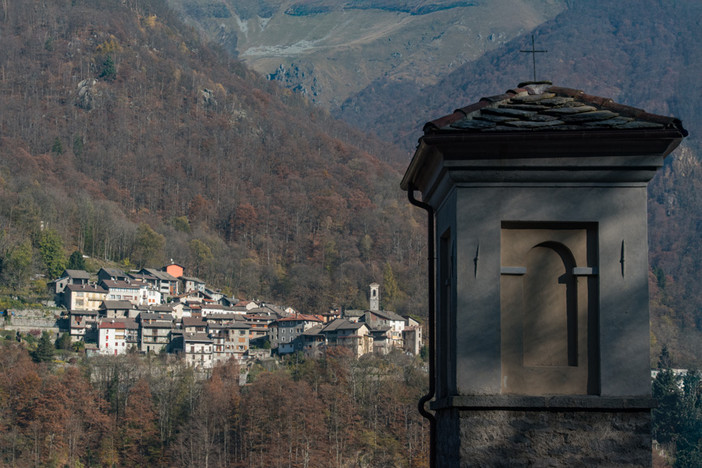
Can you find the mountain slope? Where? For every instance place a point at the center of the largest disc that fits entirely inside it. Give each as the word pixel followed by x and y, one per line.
pixel 115 116
pixel 329 50
pixel 638 53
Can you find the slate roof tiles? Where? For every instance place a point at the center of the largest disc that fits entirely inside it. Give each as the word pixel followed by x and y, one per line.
pixel 544 107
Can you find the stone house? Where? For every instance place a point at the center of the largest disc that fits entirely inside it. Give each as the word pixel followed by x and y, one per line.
pixel 352 335
pixel 83 324
pixel 194 325
pixel 112 274
pixel 191 283
pixel 198 349
pixel 163 281
pixel 155 331
pixel 313 341
pixel 395 324
pixel 118 310
pixel 258 333
pixel 412 339
pixel 283 332
pixel 382 341
pixel 230 340
pixel 77 277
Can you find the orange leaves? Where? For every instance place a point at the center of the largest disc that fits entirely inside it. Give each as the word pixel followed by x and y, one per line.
pixel 60 414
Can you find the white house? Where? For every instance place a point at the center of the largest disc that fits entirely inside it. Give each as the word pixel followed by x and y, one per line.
pixel 115 337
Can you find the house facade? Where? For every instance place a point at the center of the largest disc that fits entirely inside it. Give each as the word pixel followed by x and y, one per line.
pixel 198 349
pixel 116 337
pixel 283 333
pixel 230 340
pixel 84 296
pixel 83 324
pixel 352 335
pixel 76 277
pixel 156 331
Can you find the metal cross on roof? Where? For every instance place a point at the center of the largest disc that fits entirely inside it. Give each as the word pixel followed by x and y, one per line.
pixel 533 53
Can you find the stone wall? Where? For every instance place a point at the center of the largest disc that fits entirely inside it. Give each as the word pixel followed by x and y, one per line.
pixel 25 320
pixel 516 438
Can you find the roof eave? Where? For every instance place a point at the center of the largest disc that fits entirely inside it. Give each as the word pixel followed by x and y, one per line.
pixel 455 145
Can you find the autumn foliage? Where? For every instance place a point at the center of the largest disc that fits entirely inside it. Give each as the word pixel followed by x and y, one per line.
pixel 137 143
pixel 129 411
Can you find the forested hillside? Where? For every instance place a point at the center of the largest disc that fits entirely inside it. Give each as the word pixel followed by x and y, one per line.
pixel 124 136
pixel 639 53
pixel 129 411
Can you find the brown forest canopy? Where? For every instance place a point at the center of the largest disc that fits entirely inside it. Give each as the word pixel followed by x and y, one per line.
pixel 116 118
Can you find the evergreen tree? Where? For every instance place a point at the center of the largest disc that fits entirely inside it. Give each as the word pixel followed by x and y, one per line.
pixel 109 71
pixel 57 147
pixel 76 261
pixel 689 442
pixel 664 361
pixel 63 342
pixel 51 252
pixel 665 416
pixel 45 349
pixel 390 288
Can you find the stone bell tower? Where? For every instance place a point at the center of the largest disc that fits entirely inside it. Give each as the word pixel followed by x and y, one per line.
pixel 541 342
pixel 374 300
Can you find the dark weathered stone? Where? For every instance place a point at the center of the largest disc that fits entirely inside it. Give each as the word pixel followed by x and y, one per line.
pixel 543 118
pixel 472 124
pixel 526 107
pixel 556 101
pixel 559 111
pixel 614 122
pixel 507 111
pixel 589 116
pixel 534 124
pixel 552 438
pixel 533 97
pixel 495 118
pixel 641 124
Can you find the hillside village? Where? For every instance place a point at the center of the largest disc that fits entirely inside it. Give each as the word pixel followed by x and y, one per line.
pixel 165 311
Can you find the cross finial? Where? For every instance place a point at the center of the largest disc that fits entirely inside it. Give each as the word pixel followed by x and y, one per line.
pixel 533 53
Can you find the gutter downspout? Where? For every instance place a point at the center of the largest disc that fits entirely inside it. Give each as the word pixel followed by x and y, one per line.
pixel 431 319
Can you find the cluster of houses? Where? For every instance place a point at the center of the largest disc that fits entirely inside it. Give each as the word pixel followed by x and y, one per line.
pixel 153 311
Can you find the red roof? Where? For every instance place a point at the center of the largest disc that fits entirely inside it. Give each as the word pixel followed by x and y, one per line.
pixel 112 325
pixel 301 317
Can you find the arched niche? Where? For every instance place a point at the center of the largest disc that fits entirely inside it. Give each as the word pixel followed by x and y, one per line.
pixel 547 309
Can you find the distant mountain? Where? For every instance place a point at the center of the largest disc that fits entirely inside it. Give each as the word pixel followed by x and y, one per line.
pixel 329 50
pixel 639 53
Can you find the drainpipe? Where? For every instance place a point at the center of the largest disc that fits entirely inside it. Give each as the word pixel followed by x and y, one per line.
pixel 431 320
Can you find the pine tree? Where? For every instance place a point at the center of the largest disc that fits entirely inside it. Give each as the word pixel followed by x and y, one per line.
pixel 109 71
pixel 45 349
pixel 76 261
pixel 57 147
